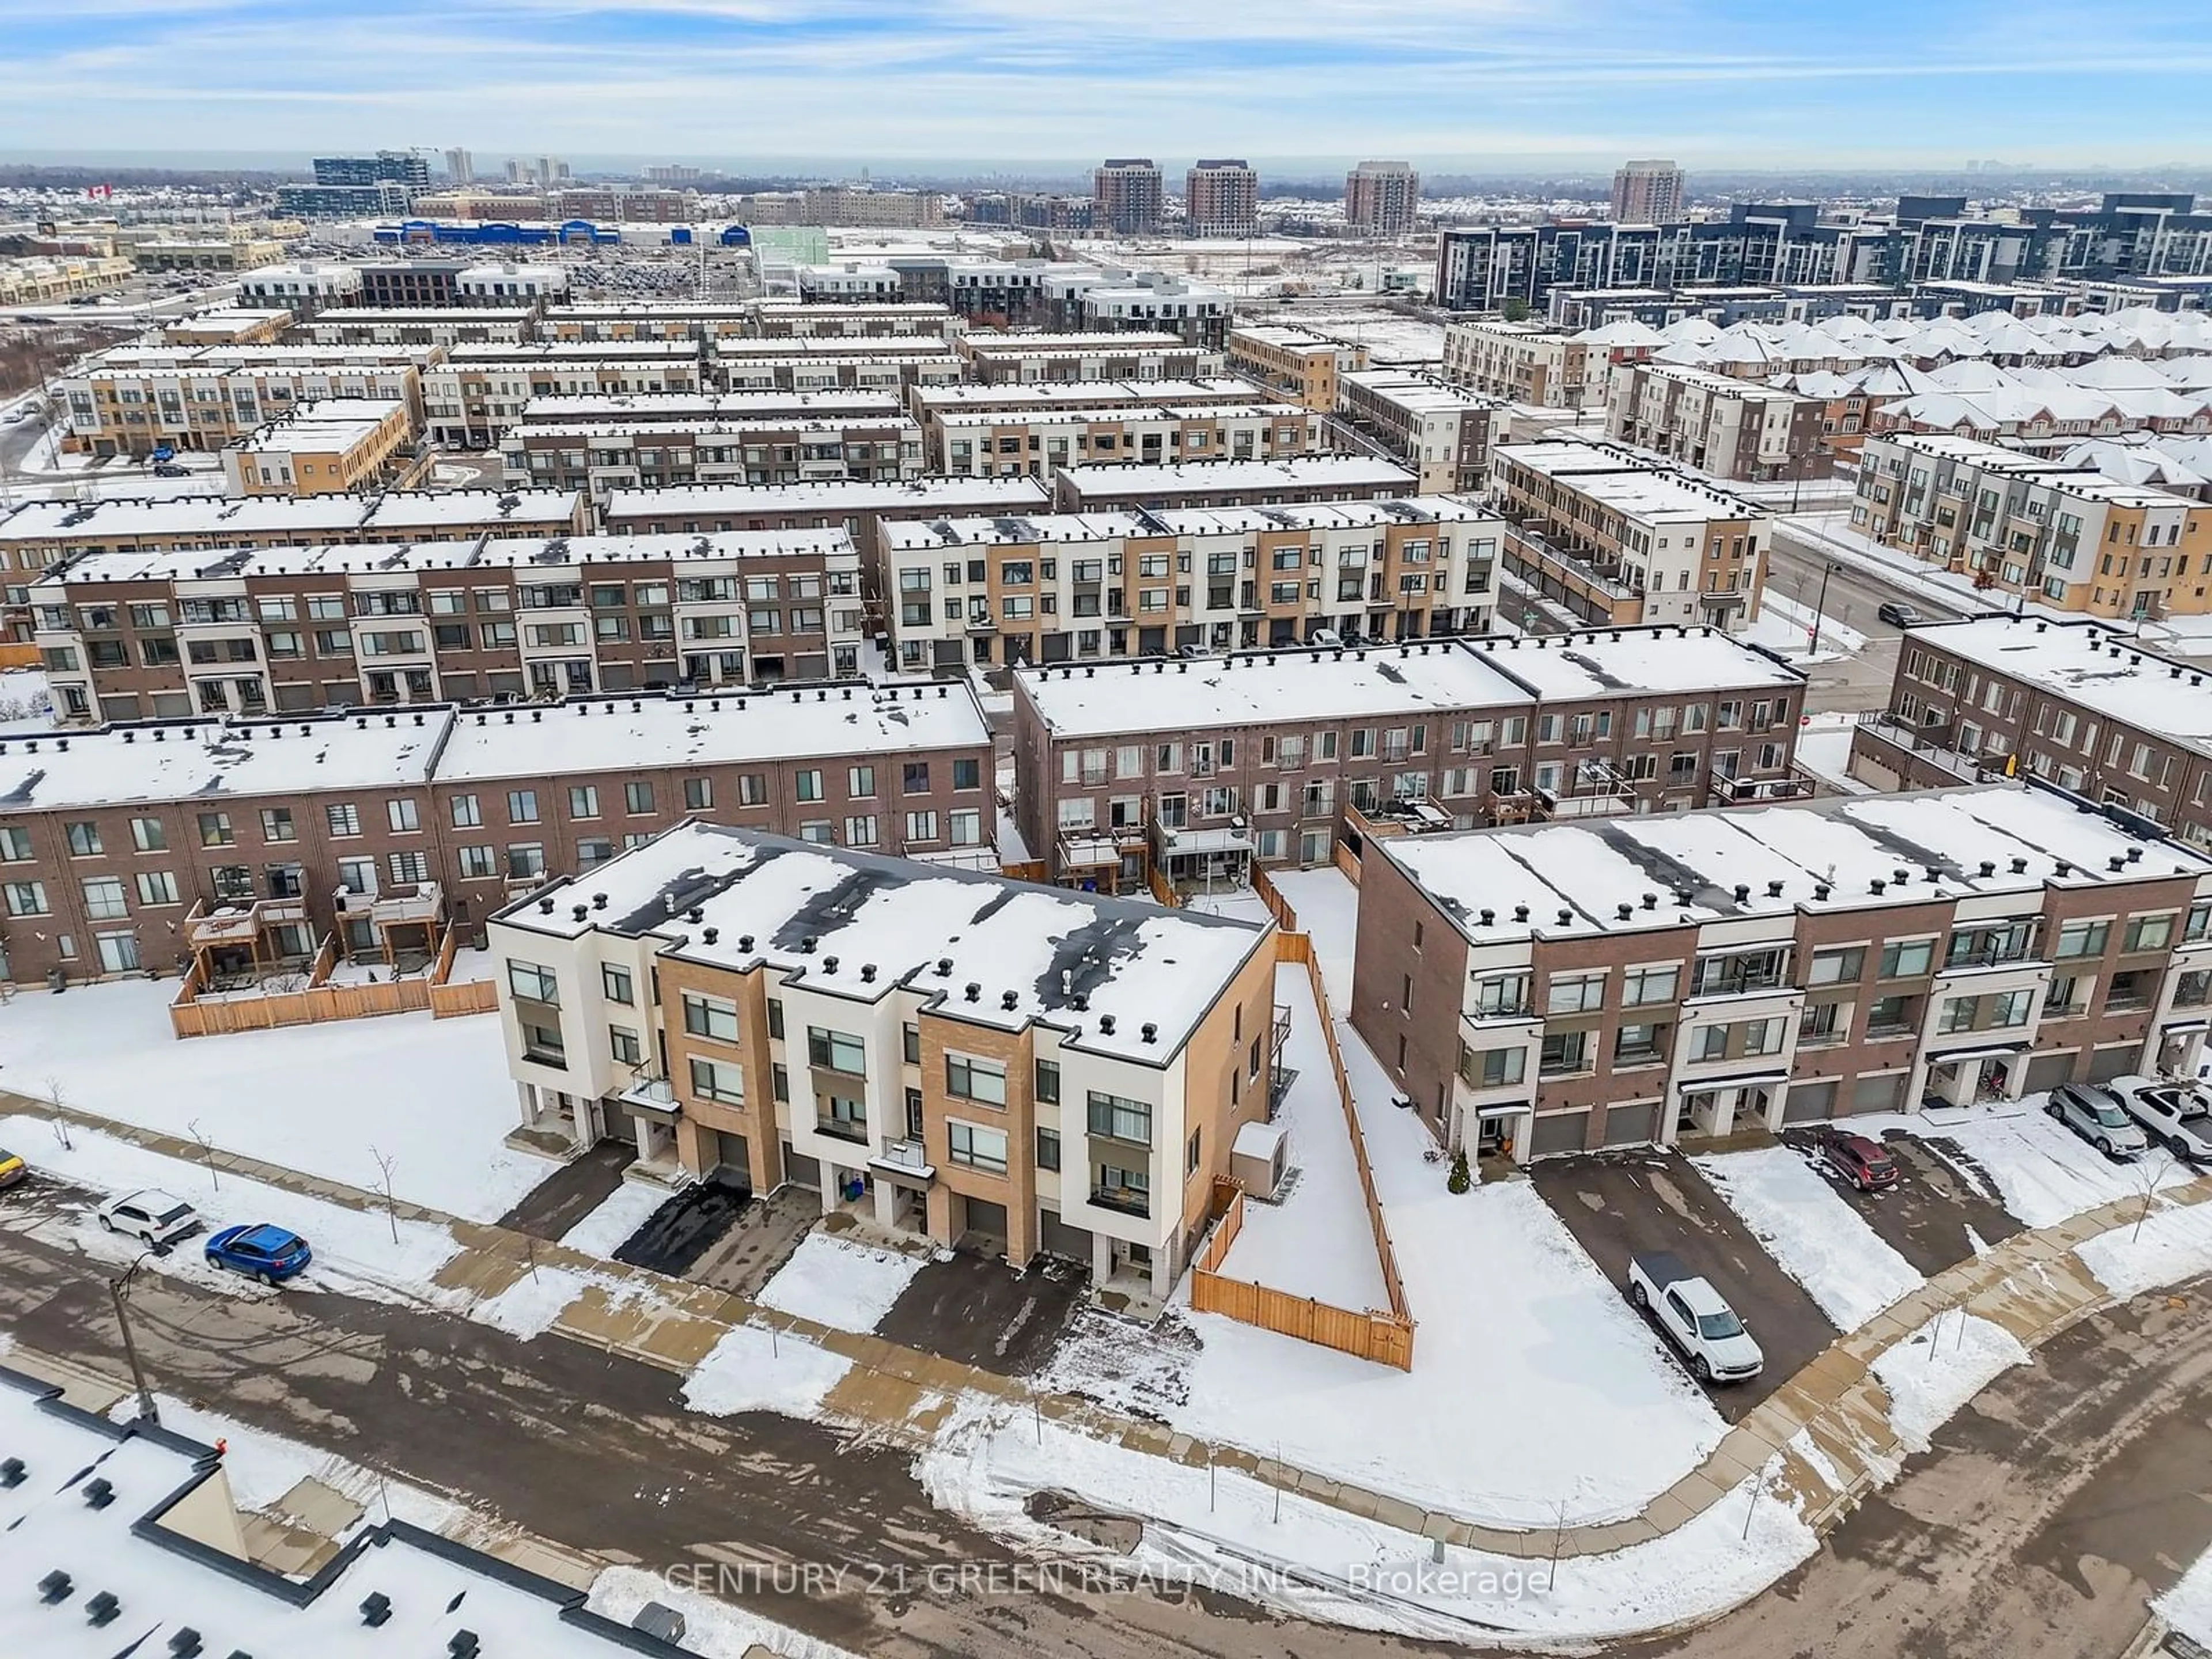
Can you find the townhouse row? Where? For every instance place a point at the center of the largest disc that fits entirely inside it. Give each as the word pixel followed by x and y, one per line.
pixel 1729 428
pixel 1561 987
pixel 244 842
pixel 1191 773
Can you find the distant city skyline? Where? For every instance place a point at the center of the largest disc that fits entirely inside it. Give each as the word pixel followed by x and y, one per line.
pixel 1450 85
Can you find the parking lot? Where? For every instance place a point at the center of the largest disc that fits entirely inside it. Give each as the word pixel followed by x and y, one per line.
pixel 1618 1204
pixel 1939 1208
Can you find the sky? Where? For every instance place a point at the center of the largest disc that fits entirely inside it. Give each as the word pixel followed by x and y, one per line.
pixel 1464 85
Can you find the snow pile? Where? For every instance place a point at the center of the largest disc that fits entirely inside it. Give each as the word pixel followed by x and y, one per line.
pixel 1939 1367
pixel 604 1231
pixel 839 1282
pixel 2174 1244
pixel 755 1370
pixel 2044 1173
pixel 1812 1231
pixel 529 1307
pixel 433 1094
pixel 2188 1606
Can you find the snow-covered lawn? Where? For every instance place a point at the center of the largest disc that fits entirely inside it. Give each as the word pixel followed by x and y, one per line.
pixel 1785 625
pixel 1316 1242
pixel 2188 1606
pixel 1939 1367
pixel 1813 1232
pixel 433 1094
pixel 1328 906
pixel 26 702
pixel 753 1369
pixel 2043 1171
pixel 839 1282
pixel 2174 1244
pixel 628 1207
pixel 1824 748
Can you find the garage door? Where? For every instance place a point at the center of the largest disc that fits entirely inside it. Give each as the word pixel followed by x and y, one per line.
pixel 2106 1064
pixel 1879 1094
pixel 985 1218
pixel 2049 1071
pixel 1561 1131
pixel 800 1168
pixel 1809 1103
pixel 731 1156
pixel 1634 1124
pixel 1056 1237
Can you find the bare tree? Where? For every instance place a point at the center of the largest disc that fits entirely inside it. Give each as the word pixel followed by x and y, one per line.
pixel 383 1164
pixel 207 1150
pixel 60 1123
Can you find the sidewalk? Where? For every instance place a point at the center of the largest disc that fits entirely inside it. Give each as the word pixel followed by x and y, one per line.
pixel 1828 1428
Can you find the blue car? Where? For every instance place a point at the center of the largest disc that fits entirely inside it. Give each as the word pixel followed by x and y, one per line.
pixel 262 1252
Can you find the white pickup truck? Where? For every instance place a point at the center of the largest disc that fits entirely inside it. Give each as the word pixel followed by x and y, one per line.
pixel 1695 1317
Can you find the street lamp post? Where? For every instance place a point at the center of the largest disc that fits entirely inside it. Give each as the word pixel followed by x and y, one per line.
pixel 1821 606
pixel 119 1290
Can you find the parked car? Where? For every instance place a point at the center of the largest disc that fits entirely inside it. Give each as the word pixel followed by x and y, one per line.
pixel 260 1251
pixel 2174 1114
pixel 154 1216
pixel 1897 615
pixel 2094 1115
pixel 13 1170
pixel 1865 1163
pixel 1695 1316
pixel 171 469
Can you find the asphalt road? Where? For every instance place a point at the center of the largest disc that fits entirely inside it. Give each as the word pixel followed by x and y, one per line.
pixel 1795 569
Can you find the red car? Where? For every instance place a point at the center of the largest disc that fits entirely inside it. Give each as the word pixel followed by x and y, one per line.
pixel 1864 1162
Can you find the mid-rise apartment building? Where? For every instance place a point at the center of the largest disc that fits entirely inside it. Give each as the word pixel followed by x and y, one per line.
pixel 1221 198
pixel 1168 485
pixel 124 635
pixel 2077 703
pixel 1619 539
pixel 336 447
pixel 1647 193
pixel 855 506
pixel 302 289
pixel 1196 770
pixel 1738 430
pixel 117 847
pixel 1382 198
pixel 600 457
pixel 1299 365
pixel 1072 587
pixel 1129 354
pixel 1035 440
pixel 781 1012
pixel 472 397
pixel 1561 987
pixel 2020 524
pixel 1442 433
pixel 1129 197
pixel 1523 363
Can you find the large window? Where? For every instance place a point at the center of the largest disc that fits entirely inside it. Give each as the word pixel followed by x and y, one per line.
pixel 1118 1189
pixel 977 1147
pixel 2083 939
pixel 2148 933
pixel 1639 986
pixel 616 983
pixel 1575 994
pixel 1116 1117
pixel 710 1017
pixel 836 1051
pixel 717 1080
pixel 975 1080
pixel 1837 967
pixel 1908 959
pixel 533 983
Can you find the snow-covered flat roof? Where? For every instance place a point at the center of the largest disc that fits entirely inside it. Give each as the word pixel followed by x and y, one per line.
pixel 1638 489
pixel 165 1585
pixel 1105 344
pixel 2104 669
pixel 959 419
pixel 1416 392
pixel 213 760
pixel 479 353
pixel 670 406
pixel 800 346
pixel 828 495
pixel 602 734
pixel 1602 661
pixel 1102 523
pixel 396 514
pixel 1082 963
pixel 372 316
pixel 1077 394
pixel 1296 472
pixel 1575 879
pixel 323 425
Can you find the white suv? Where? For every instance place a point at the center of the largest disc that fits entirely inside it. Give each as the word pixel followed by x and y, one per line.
pixel 153 1217
pixel 2174 1114
pixel 2092 1113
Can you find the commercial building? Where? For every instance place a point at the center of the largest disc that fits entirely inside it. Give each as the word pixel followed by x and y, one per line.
pixel 1165 486
pixel 120 846
pixel 1094 587
pixel 2020 524
pixel 1382 198
pixel 1647 193
pixel 1195 770
pixel 1561 987
pixel 1301 366
pixel 336 447
pixel 991 356
pixel 1619 539
pixel 301 289
pixel 1524 363
pixel 1129 198
pixel 472 398
pixel 43 281
pixel 1737 430
pixel 1221 198
pixel 980 442
pixel 855 506
pixel 955 1054
pixel 1442 433
pixel 177 633
pixel 601 457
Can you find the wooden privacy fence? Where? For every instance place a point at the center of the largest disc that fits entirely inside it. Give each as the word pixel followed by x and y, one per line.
pixel 189 1017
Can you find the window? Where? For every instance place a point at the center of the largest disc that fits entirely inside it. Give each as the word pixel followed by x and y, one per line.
pixel 1115 1117
pixel 524 859
pixel 914 778
pixel 861 831
pixel 967 773
pixel 920 827
pixel 976 1147
pixel 1888 1015
pixel 542 1045
pixel 408 867
pixel 478 863
pixel 14 844
pixel 860 782
pixel 2147 934
pixel 1634 1045
pixel 1494 1068
pixel 1575 994
pixel 522 807
pixel 710 1017
pixel 615 984
pixel 1565 1052
pixel 1047 1084
pixel 1193 1154
pixel 2083 939
pixel 975 1080
pixel 532 984
pixel 146 835
pixel 846 1118
pixel 1639 986
pixel 1910 959
pixel 27 899
pixel 836 1051
pixel 775 1019
pixel 344 819
pixel 464 811
pixel 698 794
pixel 637 797
pixel 1047 1149
pixel 1838 967
pixel 276 824
pixel 157 887
pixel 103 898
pixel 717 1080
pixel 1124 1189
pixel 1505 994
pixel 401 815
pixel 583 800
pixel 622 1044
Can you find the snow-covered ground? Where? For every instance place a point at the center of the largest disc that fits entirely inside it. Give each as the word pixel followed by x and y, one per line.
pixel 712 1628
pixel 1812 1231
pixel 841 1282
pixel 622 1213
pixel 433 1094
pixel 1785 625
pixel 2188 1606
pixel 1939 1367
pixel 27 704
pixel 2042 1171
pixel 1328 906
pixel 2171 1244
pixel 1824 748
pixel 753 1369
pixel 1316 1242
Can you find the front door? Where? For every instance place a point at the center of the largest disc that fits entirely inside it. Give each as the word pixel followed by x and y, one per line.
pixel 1491 1135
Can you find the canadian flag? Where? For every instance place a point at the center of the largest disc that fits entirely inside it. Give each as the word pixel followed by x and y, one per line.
pixel 99 190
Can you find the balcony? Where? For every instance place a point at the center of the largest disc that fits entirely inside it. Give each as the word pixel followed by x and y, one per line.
pixel 654 1096
pixel 405 905
pixel 1596 789
pixel 240 924
pixel 1121 1199
pixel 905 1158
pixel 1091 852
pixel 839 1128
pixel 1914 752
pixel 1724 790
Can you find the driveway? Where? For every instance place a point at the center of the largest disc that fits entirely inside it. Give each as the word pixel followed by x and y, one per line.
pixel 571 1191
pixel 1618 1204
pixel 982 1312
pixel 1935 1213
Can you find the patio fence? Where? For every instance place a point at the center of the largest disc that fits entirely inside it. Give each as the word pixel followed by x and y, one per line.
pixel 319 1001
